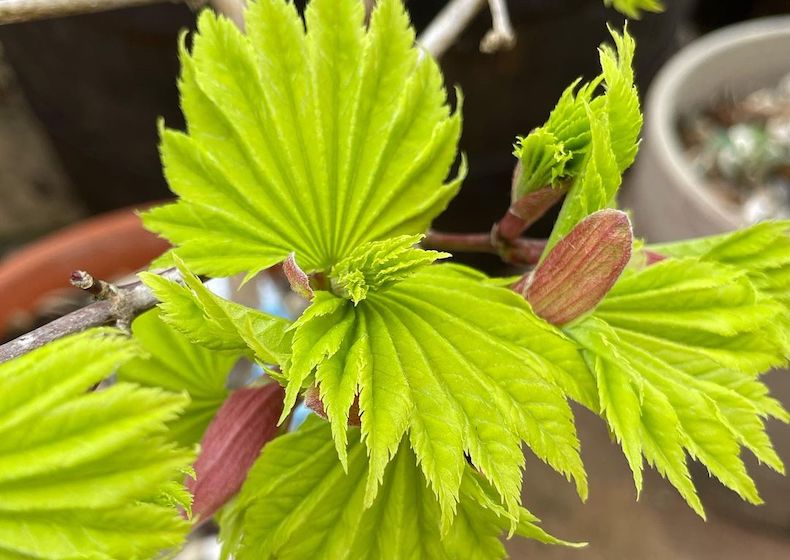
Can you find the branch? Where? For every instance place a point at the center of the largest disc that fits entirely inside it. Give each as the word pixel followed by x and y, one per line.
pixel 122 304
pixel 456 16
pixel 448 25
pixel 12 11
pixel 520 252
pixel 501 36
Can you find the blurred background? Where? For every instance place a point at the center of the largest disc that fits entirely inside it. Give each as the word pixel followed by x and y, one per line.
pixel 79 100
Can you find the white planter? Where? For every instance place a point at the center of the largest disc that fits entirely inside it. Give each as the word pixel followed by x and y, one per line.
pixel 668 198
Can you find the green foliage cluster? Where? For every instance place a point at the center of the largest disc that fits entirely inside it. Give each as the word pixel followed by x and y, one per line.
pixel 87 474
pixel 333 140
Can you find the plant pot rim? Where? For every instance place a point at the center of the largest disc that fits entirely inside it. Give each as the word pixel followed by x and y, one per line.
pixel 661 107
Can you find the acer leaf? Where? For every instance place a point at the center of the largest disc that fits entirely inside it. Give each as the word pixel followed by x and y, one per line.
pixel 309 142
pixel 175 364
pixel 676 348
pixel 406 351
pixel 298 502
pixel 86 473
pixel 216 323
pixel 762 250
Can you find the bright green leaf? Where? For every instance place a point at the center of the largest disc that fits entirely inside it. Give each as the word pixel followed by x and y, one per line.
pixel 680 296
pixel 298 502
pixel 619 389
pixel 408 352
pixel 762 251
pixel 218 324
pixel 676 348
pixel 175 364
pixel 314 142
pixel 83 474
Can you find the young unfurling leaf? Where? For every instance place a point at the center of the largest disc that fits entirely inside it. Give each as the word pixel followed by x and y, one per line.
pixel 379 264
pixel 587 142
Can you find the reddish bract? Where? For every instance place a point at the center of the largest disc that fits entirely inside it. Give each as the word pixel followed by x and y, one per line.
pixel 234 439
pixel 580 270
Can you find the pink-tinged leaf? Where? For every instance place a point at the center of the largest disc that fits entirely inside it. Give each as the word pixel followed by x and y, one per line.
pixel 580 270
pixel 232 442
pixel 312 400
pixel 299 281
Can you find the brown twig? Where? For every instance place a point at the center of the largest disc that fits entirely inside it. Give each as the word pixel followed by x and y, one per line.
pixel 97 288
pixel 12 11
pixel 501 36
pixel 120 307
pixel 521 252
pixel 456 16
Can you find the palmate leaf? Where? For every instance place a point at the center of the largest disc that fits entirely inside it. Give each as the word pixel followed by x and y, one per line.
pixel 762 251
pixel 175 364
pixel 459 364
pixel 206 319
pixel 676 349
pixel 298 502
pixel 311 142
pixel 86 474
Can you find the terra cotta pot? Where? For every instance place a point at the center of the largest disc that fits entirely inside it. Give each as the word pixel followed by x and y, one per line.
pixel 109 246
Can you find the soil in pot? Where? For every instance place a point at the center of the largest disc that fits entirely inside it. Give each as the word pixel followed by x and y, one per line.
pixel 668 198
pixel 741 149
